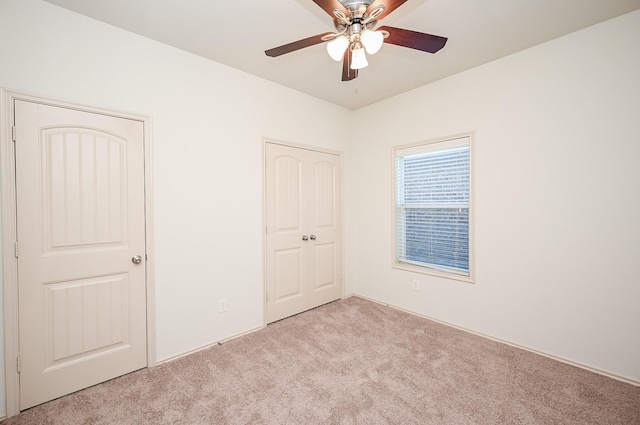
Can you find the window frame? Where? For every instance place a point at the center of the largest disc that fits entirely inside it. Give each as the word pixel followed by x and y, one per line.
pixel 424 147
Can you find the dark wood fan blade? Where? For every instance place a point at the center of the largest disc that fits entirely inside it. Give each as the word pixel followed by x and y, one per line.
pixel 329 5
pixel 296 45
pixel 414 40
pixel 389 6
pixel 348 74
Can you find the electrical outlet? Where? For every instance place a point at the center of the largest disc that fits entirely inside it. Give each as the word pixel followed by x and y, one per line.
pixel 416 285
pixel 222 305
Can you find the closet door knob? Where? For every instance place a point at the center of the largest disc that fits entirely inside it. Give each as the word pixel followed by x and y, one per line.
pixel 305 237
pixel 312 237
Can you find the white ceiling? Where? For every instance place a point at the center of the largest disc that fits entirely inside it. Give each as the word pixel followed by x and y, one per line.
pixel 237 32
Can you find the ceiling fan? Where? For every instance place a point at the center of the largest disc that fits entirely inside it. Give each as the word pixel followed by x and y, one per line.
pixel 355 22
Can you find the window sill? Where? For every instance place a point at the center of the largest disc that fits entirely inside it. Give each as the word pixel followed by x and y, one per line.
pixel 433 272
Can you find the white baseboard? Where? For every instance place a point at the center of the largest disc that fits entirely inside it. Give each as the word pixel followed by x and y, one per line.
pixel 442 322
pixel 204 347
pixel 522 347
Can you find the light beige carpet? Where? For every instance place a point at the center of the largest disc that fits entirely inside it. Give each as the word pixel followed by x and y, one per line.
pixel 352 362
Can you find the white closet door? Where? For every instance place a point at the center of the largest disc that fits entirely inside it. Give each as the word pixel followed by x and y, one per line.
pixel 303 210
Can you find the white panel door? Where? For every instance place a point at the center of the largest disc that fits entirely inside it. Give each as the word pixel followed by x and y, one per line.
pixel 303 245
pixel 80 222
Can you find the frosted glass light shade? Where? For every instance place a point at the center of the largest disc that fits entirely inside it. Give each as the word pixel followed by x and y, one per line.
pixel 358 59
pixel 372 40
pixel 337 47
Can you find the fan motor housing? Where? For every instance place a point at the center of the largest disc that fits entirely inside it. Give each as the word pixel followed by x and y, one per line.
pixel 353 4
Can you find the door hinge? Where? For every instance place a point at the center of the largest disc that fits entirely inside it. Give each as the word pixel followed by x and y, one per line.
pixel 15 249
pixel 13 133
pixel 18 365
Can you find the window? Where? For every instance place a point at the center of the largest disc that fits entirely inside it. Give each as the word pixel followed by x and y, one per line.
pixel 433 207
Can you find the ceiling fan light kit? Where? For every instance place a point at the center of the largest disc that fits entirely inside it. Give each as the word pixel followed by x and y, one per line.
pixel 355 22
pixel 337 47
pixel 358 57
pixel 372 40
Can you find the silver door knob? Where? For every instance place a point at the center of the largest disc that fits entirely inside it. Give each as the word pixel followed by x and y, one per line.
pixel 305 237
pixel 312 237
pixel 136 259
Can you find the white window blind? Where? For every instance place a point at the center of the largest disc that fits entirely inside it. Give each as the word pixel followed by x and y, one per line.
pixel 432 205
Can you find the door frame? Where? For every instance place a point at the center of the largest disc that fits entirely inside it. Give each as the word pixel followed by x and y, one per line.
pixel 269 140
pixel 9 235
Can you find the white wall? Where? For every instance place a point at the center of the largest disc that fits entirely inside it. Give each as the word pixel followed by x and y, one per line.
pixel 557 185
pixel 208 125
